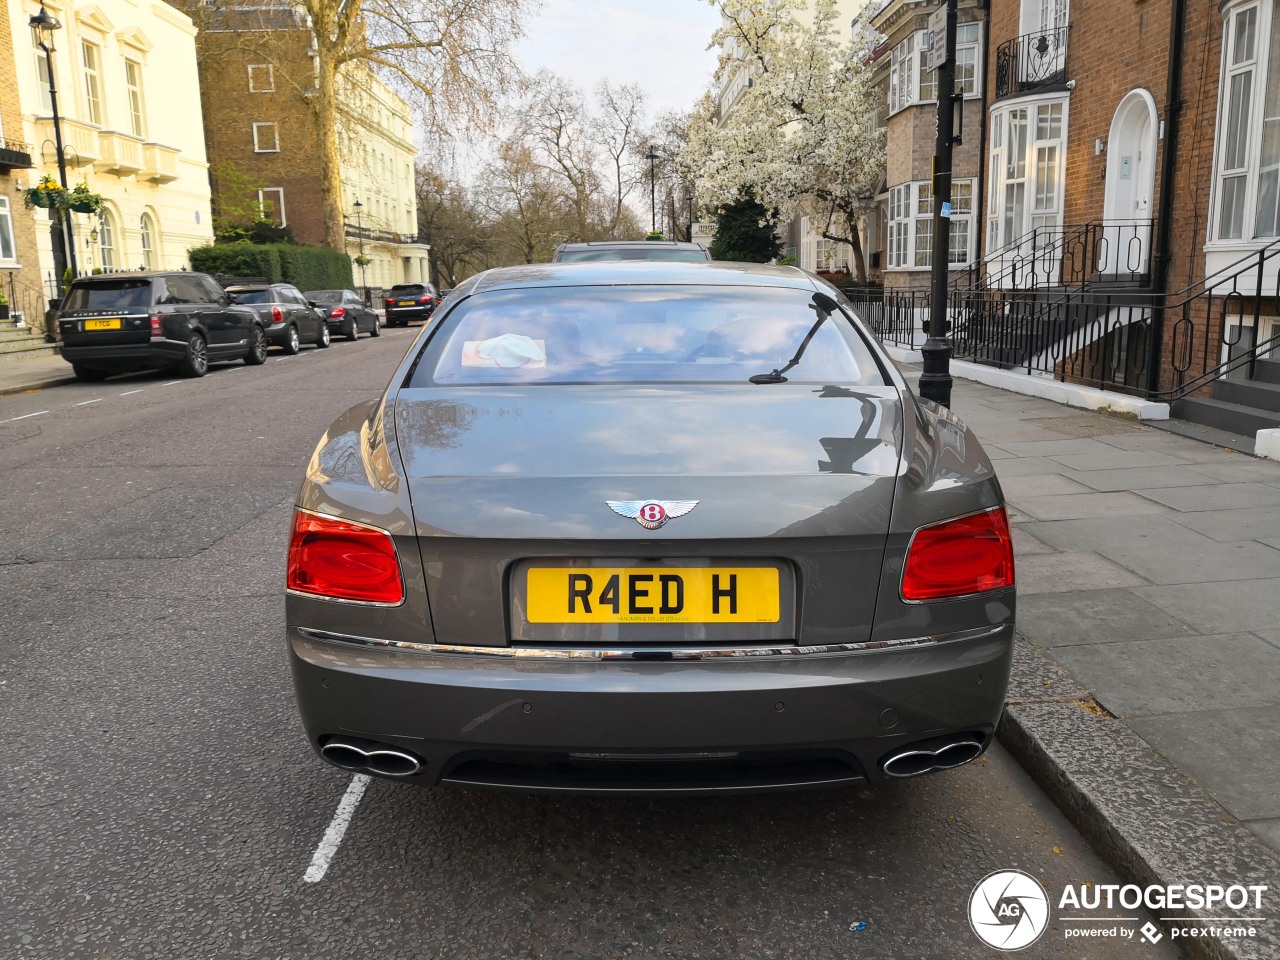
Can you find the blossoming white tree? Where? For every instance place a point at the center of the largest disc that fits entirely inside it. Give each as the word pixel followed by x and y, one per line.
pixel 801 137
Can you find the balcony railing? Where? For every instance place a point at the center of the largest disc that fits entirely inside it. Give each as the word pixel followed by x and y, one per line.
pixel 14 155
pixel 381 236
pixel 159 163
pixel 121 153
pixel 1031 62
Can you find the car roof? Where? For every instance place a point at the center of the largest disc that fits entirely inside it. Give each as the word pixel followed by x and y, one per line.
pixel 615 272
pixel 137 275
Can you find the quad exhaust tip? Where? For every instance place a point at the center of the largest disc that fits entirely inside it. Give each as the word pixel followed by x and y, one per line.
pixel 929 756
pixel 369 756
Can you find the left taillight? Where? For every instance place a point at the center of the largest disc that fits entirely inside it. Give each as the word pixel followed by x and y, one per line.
pixel 960 557
pixel 343 560
pixel 337 312
pixel 157 329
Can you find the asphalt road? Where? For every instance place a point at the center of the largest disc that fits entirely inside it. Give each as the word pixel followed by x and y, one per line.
pixel 157 798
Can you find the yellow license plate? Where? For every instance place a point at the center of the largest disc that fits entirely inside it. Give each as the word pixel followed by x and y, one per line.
pixel 113 324
pixel 406 303
pixel 652 595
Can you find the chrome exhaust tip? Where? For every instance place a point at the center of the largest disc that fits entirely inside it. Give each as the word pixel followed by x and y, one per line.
pixel 367 756
pixel 931 755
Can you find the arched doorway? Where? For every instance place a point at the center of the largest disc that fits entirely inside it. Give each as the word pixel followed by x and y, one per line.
pixel 1123 245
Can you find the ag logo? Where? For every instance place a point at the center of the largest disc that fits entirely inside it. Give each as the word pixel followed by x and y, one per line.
pixel 1008 910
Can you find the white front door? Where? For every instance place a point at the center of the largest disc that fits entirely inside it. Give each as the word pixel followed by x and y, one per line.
pixel 1123 243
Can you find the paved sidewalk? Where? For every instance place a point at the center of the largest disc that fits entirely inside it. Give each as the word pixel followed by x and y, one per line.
pixel 1147 692
pixel 21 374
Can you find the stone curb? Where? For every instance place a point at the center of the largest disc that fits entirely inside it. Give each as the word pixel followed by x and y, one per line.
pixel 1147 821
pixel 35 385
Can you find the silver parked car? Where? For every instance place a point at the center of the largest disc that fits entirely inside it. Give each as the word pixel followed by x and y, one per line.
pixel 649 527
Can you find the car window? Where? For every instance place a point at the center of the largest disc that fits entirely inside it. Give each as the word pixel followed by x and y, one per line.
pixel 407 288
pixel 294 295
pixel 254 296
pixel 642 334
pixel 326 296
pixel 122 295
pixel 632 253
pixel 184 290
pixel 212 291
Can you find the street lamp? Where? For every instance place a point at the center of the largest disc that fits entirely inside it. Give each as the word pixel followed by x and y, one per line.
pixel 42 25
pixel 364 280
pixel 652 157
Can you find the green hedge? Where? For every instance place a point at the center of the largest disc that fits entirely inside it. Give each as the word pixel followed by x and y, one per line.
pixel 307 268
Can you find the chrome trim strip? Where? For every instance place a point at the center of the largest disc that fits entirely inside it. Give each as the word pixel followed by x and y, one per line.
pixel 658 655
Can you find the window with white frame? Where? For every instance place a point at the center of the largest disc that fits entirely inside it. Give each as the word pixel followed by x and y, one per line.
pixel 8 251
pixel 90 60
pixel 266 138
pixel 137 108
pixel 271 205
pixel 1027 152
pixel 910 80
pixel 911 224
pixel 1247 141
pixel 42 72
pixel 262 78
pixel 107 240
pixel 146 236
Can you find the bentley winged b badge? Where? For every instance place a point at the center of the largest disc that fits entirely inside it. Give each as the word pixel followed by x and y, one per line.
pixel 651 514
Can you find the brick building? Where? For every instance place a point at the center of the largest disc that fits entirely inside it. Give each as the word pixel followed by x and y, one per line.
pixel 905 203
pixel 1124 231
pixel 257 77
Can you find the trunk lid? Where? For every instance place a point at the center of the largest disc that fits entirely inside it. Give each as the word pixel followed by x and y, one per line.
pixel 793 477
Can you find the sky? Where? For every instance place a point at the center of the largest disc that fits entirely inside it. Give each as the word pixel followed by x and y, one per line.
pixel 659 44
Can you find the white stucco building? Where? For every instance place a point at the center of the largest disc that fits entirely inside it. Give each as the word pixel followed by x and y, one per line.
pixel 129 103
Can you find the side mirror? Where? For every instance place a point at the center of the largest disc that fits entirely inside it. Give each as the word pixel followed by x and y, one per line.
pixel 312 303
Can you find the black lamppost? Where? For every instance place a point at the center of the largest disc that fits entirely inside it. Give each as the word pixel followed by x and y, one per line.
pixel 364 280
pixel 42 25
pixel 652 157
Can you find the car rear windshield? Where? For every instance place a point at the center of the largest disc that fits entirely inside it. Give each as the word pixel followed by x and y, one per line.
pixel 324 296
pixel 265 295
pixel 121 295
pixel 642 334
pixel 408 288
pixel 633 253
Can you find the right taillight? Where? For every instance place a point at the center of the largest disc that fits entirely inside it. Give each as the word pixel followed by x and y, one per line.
pixel 959 557
pixel 343 560
pixel 157 327
pixel 337 312
pixel 277 315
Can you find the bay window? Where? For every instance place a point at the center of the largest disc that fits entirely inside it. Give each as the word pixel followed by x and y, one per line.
pixel 910 80
pixel 1247 142
pixel 1024 189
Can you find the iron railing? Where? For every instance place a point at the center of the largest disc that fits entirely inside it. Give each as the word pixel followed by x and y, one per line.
pixel 1105 337
pixel 1032 61
pixel 1079 255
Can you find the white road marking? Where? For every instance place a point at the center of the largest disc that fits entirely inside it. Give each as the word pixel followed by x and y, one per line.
pixel 85 403
pixel 127 392
pixel 170 383
pixel 337 829
pixel 25 416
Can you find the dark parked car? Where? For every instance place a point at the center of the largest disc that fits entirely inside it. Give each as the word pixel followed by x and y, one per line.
pixel 649 527
pixel 285 313
pixel 137 321
pixel 410 301
pixel 345 313
pixel 630 250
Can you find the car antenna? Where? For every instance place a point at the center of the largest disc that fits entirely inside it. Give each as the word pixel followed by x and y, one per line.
pixel 824 306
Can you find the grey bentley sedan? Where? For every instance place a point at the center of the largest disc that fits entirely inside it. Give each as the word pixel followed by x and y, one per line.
pixel 649 528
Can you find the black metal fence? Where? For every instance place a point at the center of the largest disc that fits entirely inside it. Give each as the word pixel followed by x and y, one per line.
pixel 1125 340
pixel 1031 61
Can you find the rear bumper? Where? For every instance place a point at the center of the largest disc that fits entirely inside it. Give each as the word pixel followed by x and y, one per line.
pixel 409 313
pixel 277 334
pixel 156 353
pixel 753 723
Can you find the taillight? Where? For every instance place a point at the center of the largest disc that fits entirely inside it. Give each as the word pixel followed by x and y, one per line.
pixel 955 558
pixel 157 329
pixel 424 299
pixel 343 560
pixel 277 315
pixel 338 312
pixel 391 302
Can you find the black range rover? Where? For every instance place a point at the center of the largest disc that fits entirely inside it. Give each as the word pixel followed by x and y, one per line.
pixel 138 321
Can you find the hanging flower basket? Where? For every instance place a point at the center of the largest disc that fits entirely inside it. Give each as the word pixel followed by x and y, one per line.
pixel 46 194
pixel 82 200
